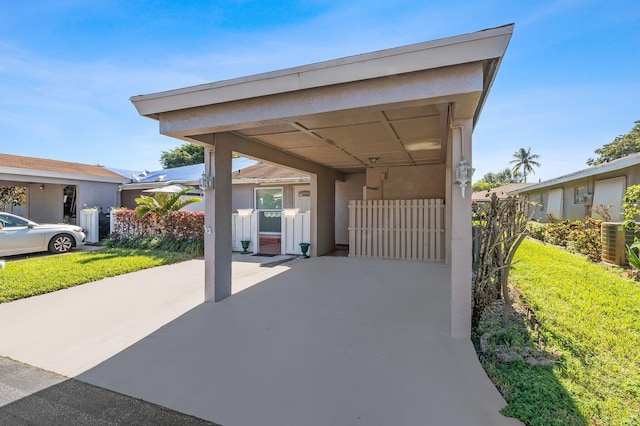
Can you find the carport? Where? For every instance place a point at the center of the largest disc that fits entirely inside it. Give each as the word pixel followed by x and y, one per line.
pixel 402 118
pixel 364 339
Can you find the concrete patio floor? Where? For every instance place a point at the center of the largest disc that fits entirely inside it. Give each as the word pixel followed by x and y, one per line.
pixel 323 341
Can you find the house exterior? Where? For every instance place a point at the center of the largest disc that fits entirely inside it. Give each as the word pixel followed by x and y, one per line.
pixel 501 192
pixel 381 133
pixel 586 192
pixel 271 228
pixel 58 190
pixel 142 183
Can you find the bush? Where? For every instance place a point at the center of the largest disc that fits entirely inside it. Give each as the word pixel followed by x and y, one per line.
pixel 536 230
pixel 558 233
pixel 586 239
pixel 175 231
pixel 186 245
pixel 577 236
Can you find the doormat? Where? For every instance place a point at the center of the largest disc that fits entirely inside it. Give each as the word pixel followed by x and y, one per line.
pixel 265 254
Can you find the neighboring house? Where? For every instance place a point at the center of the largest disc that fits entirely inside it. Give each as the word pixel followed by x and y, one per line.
pixel 380 134
pixel 267 190
pixel 142 183
pixel 586 192
pixel 58 190
pixel 502 192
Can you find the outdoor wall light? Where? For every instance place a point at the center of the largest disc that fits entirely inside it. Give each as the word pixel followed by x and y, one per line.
pixel 373 160
pixel 206 182
pixel 464 172
pixel 42 186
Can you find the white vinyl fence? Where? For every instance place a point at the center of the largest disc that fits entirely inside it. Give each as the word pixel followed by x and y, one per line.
pixel 397 229
pixel 295 229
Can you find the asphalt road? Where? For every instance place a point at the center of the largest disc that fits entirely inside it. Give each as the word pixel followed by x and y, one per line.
pixel 31 396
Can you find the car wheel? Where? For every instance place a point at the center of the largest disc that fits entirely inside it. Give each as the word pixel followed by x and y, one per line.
pixel 61 243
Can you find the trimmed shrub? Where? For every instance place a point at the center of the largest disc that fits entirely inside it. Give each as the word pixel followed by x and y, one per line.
pixel 175 231
pixel 536 230
pixel 586 239
pixel 582 237
pixel 558 233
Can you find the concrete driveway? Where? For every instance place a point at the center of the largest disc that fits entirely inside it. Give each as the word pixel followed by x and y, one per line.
pixel 72 330
pixel 323 341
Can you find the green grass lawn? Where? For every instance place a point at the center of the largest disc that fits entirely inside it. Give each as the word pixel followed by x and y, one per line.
pixel 592 316
pixel 39 275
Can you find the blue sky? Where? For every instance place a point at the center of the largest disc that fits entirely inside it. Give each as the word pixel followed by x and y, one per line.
pixel 569 82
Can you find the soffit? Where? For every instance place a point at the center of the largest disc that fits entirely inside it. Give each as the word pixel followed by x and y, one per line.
pixel 354 139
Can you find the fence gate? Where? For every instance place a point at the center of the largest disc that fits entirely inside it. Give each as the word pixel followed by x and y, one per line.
pixel 397 229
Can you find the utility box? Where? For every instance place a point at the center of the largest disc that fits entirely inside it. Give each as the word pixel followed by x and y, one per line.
pixel 614 238
pixel 89 221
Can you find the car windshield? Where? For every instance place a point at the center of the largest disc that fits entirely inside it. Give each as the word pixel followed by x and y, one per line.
pixel 8 221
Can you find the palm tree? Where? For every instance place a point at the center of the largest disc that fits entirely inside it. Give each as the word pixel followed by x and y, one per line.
pixel 526 160
pixel 162 203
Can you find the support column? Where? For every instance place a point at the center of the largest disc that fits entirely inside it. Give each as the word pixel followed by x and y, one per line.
pixel 323 214
pixel 217 219
pixel 459 218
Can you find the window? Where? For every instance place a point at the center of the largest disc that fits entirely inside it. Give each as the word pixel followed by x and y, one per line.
pixel 268 198
pixel 580 195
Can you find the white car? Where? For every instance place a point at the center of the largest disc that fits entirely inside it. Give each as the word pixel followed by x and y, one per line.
pixel 19 235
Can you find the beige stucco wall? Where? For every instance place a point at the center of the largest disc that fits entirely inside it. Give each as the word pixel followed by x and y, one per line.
pixel 45 205
pixel 97 194
pixel 406 183
pixel 577 211
pixel 323 208
pixel 350 189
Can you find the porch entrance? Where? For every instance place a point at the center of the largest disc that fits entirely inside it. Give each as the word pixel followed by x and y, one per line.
pixel 268 202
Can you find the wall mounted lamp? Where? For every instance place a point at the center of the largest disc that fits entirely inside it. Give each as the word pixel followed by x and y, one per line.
pixel 206 182
pixel 464 172
pixel 42 186
pixel 373 160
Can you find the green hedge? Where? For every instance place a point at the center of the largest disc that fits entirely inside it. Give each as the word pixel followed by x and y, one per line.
pixel 581 237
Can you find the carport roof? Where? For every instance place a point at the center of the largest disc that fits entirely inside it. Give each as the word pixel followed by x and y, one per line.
pixel 391 107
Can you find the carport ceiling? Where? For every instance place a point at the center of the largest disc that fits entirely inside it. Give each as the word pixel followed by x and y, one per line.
pixel 352 139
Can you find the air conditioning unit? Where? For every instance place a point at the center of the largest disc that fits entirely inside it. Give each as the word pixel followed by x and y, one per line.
pixel 614 238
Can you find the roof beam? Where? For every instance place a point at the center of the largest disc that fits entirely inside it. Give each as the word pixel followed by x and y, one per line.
pixel 254 149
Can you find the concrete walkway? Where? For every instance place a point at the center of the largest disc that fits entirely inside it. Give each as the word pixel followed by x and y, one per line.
pixel 324 341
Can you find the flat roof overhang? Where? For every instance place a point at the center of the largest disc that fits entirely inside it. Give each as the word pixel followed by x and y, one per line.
pixel 394 105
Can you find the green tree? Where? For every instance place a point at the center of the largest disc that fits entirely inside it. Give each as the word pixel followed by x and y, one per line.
pixel 161 203
pixel 11 196
pixel 621 146
pixel 525 160
pixel 492 180
pixel 185 155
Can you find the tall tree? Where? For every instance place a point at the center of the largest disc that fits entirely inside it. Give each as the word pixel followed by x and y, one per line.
pixel 492 180
pixel 185 155
pixel 621 146
pixel 525 160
